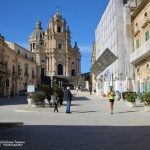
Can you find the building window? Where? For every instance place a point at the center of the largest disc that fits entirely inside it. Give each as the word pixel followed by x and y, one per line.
pixel 42 61
pixel 146 36
pixel 33 45
pixel 18 51
pixel 72 72
pixel 32 59
pixel 26 55
pixel 42 71
pixel 19 70
pixel 137 44
pixel 13 68
pixel 60 46
pixel 58 29
pixel 60 69
pixel 7 82
pixel 72 63
pixel 30 47
pixel 33 76
pixel 26 70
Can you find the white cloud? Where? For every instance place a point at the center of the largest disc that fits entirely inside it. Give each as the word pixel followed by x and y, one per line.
pixel 85 49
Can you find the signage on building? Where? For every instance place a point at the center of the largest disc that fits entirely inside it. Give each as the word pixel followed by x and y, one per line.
pixel 106 76
pixel 31 88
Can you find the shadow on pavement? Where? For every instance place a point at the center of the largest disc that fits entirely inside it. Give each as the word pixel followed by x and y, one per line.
pixel 44 137
pixel 73 104
pixel 84 111
pixel 13 101
pixel 80 98
pixel 128 111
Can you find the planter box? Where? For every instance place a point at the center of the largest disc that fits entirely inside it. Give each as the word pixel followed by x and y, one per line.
pixel 117 98
pixel 131 104
pixel 30 101
pixel 147 108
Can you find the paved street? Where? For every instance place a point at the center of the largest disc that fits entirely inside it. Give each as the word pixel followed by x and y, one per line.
pixel 89 127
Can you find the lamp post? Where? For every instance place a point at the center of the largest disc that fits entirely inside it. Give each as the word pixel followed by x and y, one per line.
pixel 121 76
pixel 51 81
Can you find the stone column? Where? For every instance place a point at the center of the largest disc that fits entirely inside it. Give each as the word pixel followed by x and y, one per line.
pixel 67 66
pixel 79 66
pixel 53 64
pixel 76 67
pixel 50 65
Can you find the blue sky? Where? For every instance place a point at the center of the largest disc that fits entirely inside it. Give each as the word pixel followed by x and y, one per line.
pixel 18 18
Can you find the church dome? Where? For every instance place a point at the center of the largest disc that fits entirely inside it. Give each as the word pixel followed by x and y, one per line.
pixel 38 32
pixel 58 15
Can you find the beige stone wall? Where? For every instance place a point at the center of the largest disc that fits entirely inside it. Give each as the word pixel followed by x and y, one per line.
pixel 10 59
pixel 15 75
pixel 57 49
pixel 140 25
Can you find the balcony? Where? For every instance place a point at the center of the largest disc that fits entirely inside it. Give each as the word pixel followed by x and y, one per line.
pixel 140 54
pixel 2 67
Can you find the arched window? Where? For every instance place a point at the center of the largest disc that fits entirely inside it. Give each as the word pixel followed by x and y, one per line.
pixel 73 72
pixel 58 29
pixel 60 69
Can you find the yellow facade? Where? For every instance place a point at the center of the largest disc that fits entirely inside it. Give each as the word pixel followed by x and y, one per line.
pixel 140 58
pixel 20 68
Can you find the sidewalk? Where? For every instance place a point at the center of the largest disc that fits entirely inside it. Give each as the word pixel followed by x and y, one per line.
pixel 86 110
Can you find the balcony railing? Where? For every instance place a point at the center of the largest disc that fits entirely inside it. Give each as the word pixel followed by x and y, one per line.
pixel 141 52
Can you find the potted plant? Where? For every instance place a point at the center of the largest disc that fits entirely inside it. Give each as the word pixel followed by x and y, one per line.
pixel 46 89
pixel 59 91
pixel 38 99
pixel 131 98
pixel 146 98
pixel 30 99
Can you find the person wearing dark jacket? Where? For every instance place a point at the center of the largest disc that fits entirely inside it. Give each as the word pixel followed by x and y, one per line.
pixel 68 96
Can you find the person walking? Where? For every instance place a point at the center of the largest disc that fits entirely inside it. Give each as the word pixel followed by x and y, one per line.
pixel 55 99
pixel 12 93
pixel 68 96
pixel 90 89
pixel 111 96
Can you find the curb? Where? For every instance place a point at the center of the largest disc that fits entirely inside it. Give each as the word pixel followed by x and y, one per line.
pixel 11 124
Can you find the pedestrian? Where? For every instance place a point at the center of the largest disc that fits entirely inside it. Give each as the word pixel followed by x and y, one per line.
pixel 55 99
pixel 12 93
pixel 68 96
pixel 111 96
pixel 90 89
pixel 46 101
pixel 77 89
pixel 61 96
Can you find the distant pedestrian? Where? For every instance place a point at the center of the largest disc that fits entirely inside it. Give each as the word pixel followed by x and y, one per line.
pixel 12 93
pixel 111 96
pixel 77 89
pixel 46 101
pixel 55 99
pixel 68 97
pixel 90 89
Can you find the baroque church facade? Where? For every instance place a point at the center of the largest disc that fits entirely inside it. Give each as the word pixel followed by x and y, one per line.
pixel 55 57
